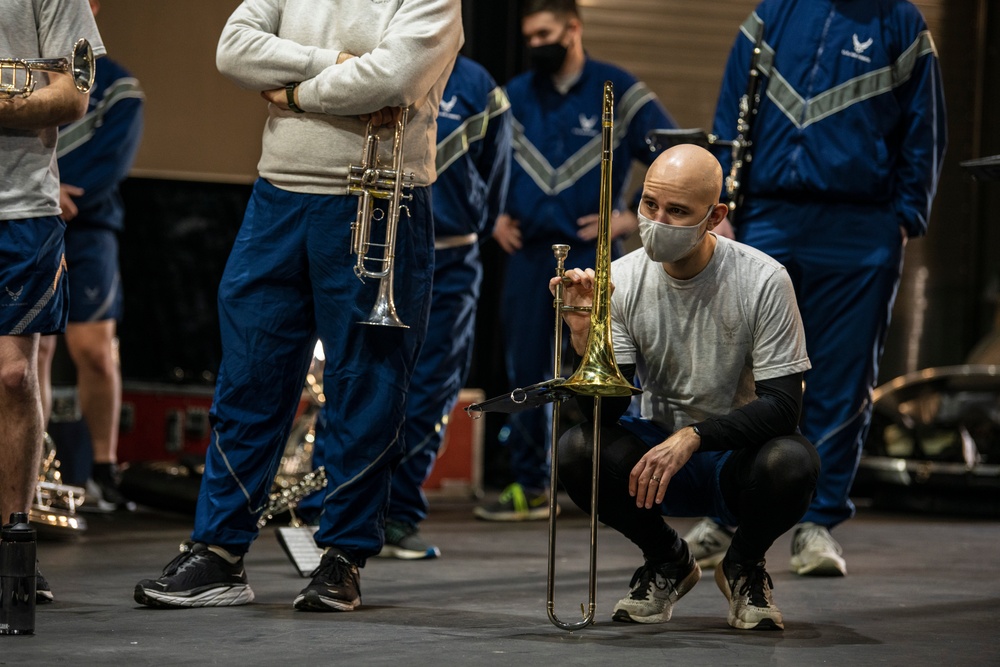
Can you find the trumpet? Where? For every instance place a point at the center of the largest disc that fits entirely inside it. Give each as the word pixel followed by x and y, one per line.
pixel 372 180
pixel 17 74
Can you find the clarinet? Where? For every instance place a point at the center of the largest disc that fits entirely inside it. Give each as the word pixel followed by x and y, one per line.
pixel 742 144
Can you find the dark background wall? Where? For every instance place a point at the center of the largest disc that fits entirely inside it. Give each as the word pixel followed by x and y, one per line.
pixel 192 175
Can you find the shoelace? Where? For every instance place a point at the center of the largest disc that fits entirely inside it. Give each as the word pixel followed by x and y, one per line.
pixel 174 566
pixel 645 575
pixel 333 569
pixel 754 585
pixel 514 494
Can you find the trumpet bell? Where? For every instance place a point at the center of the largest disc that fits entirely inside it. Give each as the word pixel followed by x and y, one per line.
pixel 383 313
pixel 83 66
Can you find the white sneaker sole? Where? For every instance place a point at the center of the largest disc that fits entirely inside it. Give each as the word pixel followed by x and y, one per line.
pixel 821 565
pixel 230 596
pixel 313 601
pixel 528 515
pixel 391 551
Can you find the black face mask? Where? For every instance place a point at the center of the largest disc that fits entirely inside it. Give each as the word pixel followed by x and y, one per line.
pixel 548 58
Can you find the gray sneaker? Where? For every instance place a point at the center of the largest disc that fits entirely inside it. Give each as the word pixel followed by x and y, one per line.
pixel 655 590
pixel 403 541
pixel 709 542
pixel 748 588
pixel 816 553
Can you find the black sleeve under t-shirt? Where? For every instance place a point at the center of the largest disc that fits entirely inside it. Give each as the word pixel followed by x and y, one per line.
pixel 773 413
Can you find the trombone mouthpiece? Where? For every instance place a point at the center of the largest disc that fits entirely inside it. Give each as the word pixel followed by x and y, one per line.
pixel 609 104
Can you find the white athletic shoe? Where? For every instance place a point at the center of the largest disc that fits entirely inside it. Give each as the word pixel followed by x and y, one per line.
pixel 709 542
pixel 748 589
pixel 655 590
pixel 816 553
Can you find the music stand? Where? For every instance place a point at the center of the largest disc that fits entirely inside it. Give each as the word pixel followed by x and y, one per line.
pixel 667 138
pixel 984 168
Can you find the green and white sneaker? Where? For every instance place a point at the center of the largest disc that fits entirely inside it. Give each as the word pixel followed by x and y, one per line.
pixel 403 541
pixel 515 504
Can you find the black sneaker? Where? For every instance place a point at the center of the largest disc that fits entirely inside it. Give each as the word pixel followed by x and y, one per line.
pixel 336 585
pixel 403 541
pixel 655 589
pixel 43 594
pixel 103 492
pixel 196 578
pixel 748 588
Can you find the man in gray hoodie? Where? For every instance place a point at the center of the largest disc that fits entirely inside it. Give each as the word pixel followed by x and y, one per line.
pixel 326 69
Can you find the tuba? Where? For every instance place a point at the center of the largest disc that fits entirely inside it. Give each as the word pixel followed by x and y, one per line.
pixel 597 375
pixel 17 74
pixel 372 180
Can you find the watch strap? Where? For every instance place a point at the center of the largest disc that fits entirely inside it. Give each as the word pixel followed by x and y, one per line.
pixel 290 97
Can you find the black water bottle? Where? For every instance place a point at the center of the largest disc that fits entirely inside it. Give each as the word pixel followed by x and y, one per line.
pixel 17 577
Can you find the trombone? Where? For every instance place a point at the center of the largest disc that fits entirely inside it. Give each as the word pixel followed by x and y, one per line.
pixel 597 375
pixel 372 180
pixel 17 74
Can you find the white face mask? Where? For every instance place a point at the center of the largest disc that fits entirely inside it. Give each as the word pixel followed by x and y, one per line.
pixel 670 243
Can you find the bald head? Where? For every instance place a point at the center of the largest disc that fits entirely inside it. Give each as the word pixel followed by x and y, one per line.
pixel 690 169
pixel 682 188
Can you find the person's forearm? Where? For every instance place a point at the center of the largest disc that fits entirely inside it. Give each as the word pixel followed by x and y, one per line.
pixel 56 104
pixel 254 57
pixel 419 46
pixel 773 413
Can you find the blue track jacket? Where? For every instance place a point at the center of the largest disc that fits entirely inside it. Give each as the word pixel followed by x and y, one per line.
pixel 96 152
pixel 853 109
pixel 468 193
pixel 556 175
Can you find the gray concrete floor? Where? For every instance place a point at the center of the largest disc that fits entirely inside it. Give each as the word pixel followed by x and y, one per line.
pixel 921 591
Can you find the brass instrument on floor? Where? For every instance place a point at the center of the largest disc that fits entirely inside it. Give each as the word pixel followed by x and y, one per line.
pixel 17 74
pixel 55 504
pixel 597 375
pixel 371 180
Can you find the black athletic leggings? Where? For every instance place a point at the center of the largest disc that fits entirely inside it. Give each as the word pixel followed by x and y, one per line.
pixel 768 489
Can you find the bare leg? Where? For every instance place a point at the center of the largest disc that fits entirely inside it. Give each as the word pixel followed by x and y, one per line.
pixel 21 426
pixel 94 350
pixel 46 352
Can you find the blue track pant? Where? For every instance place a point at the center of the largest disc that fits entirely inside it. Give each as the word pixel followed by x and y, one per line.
pixel 845 261
pixel 289 280
pixel 440 374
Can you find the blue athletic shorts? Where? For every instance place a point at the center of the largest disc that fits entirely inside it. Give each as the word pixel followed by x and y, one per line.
pixel 33 289
pixel 695 489
pixel 94 280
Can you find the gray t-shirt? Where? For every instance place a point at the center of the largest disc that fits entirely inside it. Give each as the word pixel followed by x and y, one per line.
pixel 29 175
pixel 699 344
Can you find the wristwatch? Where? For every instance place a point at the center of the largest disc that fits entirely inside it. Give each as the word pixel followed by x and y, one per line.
pixel 290 96
pixel 696 431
